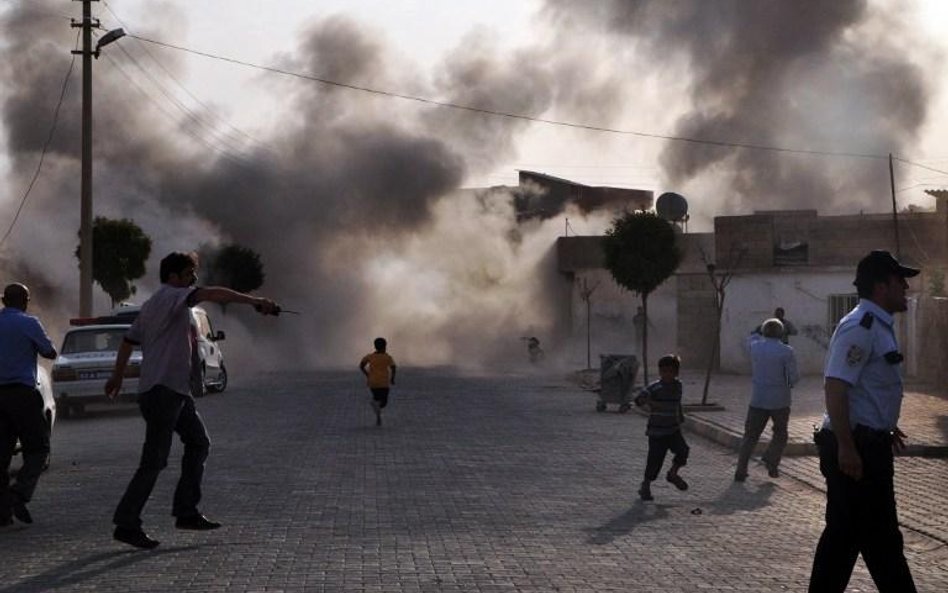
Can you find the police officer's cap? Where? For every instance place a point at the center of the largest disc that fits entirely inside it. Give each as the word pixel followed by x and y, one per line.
pixel 879 265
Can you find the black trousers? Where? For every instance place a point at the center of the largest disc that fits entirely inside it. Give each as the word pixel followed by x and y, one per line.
pixel 21 417
pixel 658 447
pixel 380 394
pixel 166 412
pixel 860 518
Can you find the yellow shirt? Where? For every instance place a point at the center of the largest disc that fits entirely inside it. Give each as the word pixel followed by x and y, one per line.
pixel 379 364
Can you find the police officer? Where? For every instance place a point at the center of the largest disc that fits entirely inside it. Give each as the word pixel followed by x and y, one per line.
pixel 863 387
pixel 22 337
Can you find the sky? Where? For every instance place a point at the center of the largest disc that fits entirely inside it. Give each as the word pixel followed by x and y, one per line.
pixel 425 32
pixel 358 202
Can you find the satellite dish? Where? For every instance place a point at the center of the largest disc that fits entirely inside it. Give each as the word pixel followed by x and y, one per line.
pixel 672 207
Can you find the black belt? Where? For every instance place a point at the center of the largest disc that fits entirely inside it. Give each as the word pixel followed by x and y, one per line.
pixel 861 434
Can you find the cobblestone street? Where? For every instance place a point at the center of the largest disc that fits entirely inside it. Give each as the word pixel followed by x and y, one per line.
pixel 503 483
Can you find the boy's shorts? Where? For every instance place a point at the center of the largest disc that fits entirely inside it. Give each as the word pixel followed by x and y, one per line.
pixel 380 394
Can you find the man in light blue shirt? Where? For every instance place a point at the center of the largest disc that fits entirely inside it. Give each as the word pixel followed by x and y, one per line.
pixel 863 387
pixel 22 337
pixel 774 371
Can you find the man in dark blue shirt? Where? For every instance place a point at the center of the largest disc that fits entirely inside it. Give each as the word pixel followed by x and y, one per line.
pixel 22 337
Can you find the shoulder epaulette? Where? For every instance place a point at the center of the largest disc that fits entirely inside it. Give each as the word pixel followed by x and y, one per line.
pixel 867 320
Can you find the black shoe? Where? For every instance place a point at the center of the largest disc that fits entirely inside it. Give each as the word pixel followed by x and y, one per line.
pixel 378 419
pixel 740 476
pixel 772 470
pixel 677 481
pixel 6 522
pixel 22 513
pixel 645 492
pixel 134 537
pixel 196 522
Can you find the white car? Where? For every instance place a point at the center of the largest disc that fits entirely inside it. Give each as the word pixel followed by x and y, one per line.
pixel 49 404
pixel 85 363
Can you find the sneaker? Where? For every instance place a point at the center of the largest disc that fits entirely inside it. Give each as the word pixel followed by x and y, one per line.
pixel 645 492
pixel 677 481
pixel 134 537
pixel 22 513
pixel 196 523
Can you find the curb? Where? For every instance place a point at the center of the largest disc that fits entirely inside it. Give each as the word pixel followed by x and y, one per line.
pixel 731 439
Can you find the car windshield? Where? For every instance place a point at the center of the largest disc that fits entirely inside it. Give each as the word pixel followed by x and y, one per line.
pixel 94 340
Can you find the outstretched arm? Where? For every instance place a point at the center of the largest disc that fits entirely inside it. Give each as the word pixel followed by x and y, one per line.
pixel 222 295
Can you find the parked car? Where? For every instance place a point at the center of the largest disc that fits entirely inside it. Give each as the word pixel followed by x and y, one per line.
pixel 210 374
pixel 86 361
pixel 49 403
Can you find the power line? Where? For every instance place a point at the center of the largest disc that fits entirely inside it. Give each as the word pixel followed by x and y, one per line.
pixel 224 153
pixel 188 113
pixel 181 85
pixel 49 140
pixel 518 116
pixel 921 166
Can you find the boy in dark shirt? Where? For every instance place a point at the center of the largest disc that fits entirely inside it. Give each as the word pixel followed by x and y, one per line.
pixel 663 398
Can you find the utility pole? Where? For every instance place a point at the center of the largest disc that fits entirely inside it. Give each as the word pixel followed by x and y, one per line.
pixel 85 210
pixel 895 210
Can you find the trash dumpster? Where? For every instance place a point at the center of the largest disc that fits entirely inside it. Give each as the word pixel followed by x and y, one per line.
pixel 616 376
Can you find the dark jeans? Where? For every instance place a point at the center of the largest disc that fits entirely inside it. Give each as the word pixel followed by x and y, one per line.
pixel 753 427
pixel 658 447
pixel 21 417
pixel 860 518
pixel 380 394
pixel 166 412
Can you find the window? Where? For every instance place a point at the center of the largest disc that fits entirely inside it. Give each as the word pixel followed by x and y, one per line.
pixel 839 306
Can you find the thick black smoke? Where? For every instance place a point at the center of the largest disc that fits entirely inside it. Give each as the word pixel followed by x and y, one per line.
pixel 834 76
pixel 355 213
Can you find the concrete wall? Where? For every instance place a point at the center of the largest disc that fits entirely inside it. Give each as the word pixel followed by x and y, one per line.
pixel 804 295
pixel 611 312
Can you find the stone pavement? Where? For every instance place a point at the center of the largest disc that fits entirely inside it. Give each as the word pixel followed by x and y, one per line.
pixel 508 483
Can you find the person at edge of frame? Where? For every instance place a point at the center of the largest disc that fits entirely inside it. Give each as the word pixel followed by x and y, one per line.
pixel 860 433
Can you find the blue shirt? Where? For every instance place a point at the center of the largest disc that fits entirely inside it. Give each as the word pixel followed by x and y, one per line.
pixel 21 337
pixel 864 353
pixel 773 371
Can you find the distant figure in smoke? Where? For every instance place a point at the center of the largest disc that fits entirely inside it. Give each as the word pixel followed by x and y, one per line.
pixel 163 329
pixel 533 350
pixel 774 373
pixel 22 337
pixel 788 328
pixel 379 369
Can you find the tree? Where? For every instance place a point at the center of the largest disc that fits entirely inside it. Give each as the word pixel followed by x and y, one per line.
pixel 235 267
pixel 719 280
pixel 120 249
pixel 641 252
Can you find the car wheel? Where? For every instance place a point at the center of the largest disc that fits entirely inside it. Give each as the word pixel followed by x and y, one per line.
pixel 199 383
pixel 221 383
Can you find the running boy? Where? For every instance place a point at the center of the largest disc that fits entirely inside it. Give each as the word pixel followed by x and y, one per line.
pixel 379 369
pixel 663 398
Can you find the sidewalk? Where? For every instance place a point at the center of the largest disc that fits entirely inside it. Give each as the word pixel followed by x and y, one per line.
pixel 921 477
pixel 924 417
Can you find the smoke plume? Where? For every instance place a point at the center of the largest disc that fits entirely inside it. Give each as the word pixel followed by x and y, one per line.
pixel 833 76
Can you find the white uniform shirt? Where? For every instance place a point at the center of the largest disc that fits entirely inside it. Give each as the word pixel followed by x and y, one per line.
pixel 163 329
pixel 864 353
